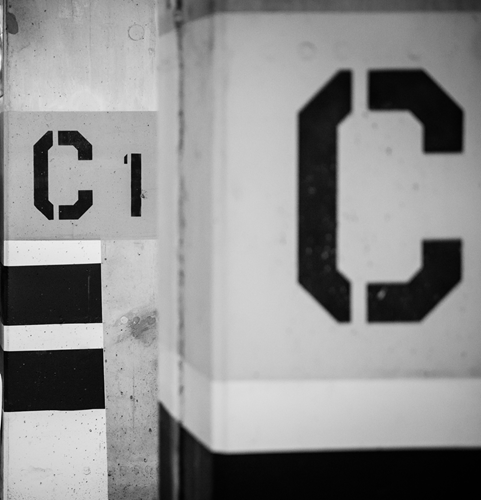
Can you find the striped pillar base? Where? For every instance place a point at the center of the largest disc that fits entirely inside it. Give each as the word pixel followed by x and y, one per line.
pixel 192 471
pixel 54 431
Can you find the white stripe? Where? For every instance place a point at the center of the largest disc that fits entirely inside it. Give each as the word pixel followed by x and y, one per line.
pixel 52 337
pixel 168 379
pixel 309 415
pixel 49 253
pixel 55 455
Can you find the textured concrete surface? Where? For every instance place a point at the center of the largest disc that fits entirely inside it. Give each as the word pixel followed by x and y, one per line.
pixel 85 56
pixel 130 322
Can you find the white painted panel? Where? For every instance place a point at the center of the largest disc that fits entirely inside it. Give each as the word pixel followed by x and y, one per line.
pixel 50 253
pixel 310 415
pixel 55 455
pixel 391 196
pixel 112 137
pixel 52 337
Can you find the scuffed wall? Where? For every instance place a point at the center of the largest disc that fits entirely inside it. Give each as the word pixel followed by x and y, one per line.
pixel 84 55
pixel 130 323
pixel 65 59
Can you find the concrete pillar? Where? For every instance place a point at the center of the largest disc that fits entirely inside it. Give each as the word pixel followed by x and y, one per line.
pixel 78 263
pixel 320 272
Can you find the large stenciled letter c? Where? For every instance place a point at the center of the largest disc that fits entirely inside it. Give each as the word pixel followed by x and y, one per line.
pixel 40 174
pixel 442 120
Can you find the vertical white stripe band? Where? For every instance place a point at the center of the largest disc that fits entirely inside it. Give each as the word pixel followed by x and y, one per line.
pixel 52 337
pixel 49 253
pixel 55 455
pixel 346 414
pixel 310 415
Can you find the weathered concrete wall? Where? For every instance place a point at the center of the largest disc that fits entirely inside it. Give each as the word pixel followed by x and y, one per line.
pixel 85 55
pixel 90 66
pixel 130 322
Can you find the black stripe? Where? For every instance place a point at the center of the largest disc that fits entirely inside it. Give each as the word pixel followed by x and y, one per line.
pixel 42 295
pixel 394 475
pixel 168 445
pixel 136 185
pixel 53 380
